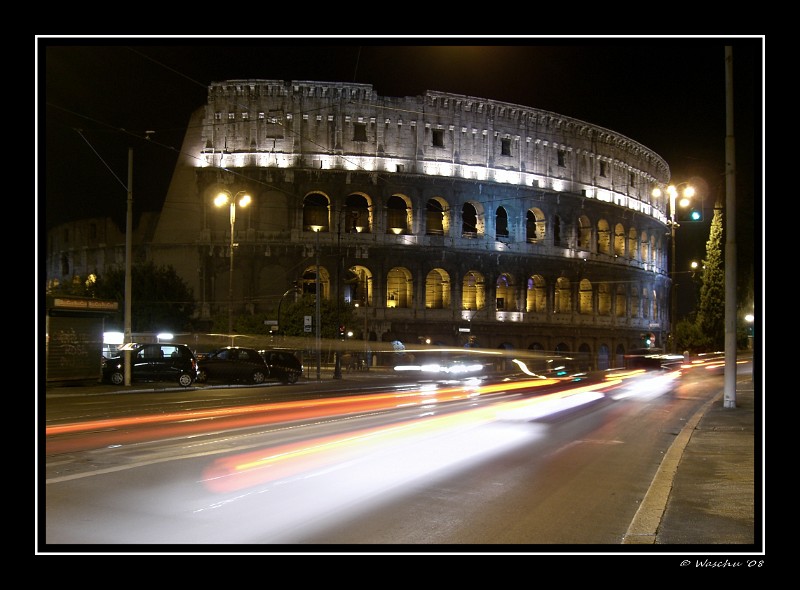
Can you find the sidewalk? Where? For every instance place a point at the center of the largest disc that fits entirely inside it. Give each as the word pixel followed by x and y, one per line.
pixel 705 491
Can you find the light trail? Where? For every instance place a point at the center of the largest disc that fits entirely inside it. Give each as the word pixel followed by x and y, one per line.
pixel 245 470
pixel 306 409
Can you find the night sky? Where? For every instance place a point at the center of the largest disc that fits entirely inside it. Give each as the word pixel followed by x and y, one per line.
pixel 97 97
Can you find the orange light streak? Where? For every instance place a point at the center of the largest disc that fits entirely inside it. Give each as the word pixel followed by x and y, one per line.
pixel 305 409
pixel 258 467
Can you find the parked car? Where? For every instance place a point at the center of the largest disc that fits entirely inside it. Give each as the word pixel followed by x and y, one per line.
pixel 153 362
pixel 283 365
pixel 233 364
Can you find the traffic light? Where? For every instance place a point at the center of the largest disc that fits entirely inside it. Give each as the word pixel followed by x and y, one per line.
pixel 648 339
pixel 341 330
pixel 693 211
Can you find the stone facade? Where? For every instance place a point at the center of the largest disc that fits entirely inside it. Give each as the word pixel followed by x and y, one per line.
pixel 435 213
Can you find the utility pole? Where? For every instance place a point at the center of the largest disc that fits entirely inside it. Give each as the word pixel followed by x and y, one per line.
pixel 128 272
pixel 729 395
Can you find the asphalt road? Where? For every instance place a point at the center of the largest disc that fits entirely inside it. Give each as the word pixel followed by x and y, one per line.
pixel 571 479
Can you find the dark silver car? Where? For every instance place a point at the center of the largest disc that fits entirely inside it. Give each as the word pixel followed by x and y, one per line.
pixel 153 362
pixel 233 364
pixel 283 365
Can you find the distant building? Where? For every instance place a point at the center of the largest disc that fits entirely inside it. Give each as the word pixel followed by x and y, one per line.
pixel 445 217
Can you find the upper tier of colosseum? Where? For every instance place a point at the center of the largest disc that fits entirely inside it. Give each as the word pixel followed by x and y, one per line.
pixel 337 125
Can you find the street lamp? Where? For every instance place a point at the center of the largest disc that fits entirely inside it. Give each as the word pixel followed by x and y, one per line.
pixel 222 199
pixel 685 196
pixel 316 229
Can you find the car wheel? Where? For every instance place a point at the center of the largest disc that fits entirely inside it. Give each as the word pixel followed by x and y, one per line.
pixel 259 377
pixel 185 379
pixel 117 378
pixel 202 376
pixel 292 378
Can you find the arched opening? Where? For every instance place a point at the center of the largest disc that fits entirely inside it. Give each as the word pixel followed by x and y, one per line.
pixel 357 214
pixel 396 216
pixel 437 289
pixel 315 212
pixel 399 288
pixel 505 293
pixel 435 218
pixel 473 291
pixel 501 223
pixel 469 221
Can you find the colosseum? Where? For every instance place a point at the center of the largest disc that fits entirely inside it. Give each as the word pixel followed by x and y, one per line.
pixel 451 219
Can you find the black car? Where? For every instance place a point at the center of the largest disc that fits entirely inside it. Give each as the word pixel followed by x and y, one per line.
pixel 283 365
pixel 233 364
pixel 153 362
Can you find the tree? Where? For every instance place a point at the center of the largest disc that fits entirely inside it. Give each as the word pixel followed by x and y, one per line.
pixel 293 314
pixel 688 336
pixel 161 300
pixel 711 308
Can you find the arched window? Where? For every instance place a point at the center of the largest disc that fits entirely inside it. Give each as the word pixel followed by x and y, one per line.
pixel 315 212
pixel 309 283
pixel 357 214
pixel 584 360
pixel 358 283
pixel 585 302
pixel 435 218
pixel 644 255
pixel 469 221
pixel 473 291
pixel 563 296
pixel 501 223
pixel 437 289
pixel 619 356
pixel 536 299
pixel 396 216
pixel 534 226
pixel 506 299
pixel 584 233
pixel 633 244
pixel 399 288
pixel 619 240
pixel 603 237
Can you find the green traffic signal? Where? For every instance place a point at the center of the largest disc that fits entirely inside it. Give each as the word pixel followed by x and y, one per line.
pixel 691 213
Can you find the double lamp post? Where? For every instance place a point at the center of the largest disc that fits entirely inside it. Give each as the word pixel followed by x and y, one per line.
pixel 685 196
pixel 243 200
